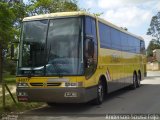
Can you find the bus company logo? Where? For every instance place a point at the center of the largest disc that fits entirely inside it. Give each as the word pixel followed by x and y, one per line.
pixel 115 58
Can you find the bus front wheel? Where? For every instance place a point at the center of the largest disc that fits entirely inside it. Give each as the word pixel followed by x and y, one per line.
pixel 100 94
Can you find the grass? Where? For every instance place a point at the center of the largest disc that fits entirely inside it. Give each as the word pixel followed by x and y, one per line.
pixel 10 79
pixel 11 107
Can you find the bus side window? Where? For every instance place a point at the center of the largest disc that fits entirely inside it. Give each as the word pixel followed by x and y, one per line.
pixel 142 47
pixel 124 42
pixel 116 39
pixel 88 26
pixel 105 35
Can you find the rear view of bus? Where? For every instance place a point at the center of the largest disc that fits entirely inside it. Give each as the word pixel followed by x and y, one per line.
pixel 61 60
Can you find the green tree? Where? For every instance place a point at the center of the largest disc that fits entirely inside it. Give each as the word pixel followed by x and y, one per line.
pixel 6 24
pixel 36 7
pixel 11 15
pixel 6 30
pixel 154 44
pixel 154 28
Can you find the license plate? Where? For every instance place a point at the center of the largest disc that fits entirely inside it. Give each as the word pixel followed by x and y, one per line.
pixel 70 94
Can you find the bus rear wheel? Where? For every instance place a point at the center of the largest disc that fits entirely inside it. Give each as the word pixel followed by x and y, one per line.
pixel 138 80
pixel 100 94
pixel 134 79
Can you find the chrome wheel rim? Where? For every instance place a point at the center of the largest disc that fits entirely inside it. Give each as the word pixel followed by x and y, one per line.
pixel 100 92
pixel 138 81
pixel 134 81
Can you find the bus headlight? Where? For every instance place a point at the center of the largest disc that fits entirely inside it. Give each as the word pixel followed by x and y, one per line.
pixel 22 84
pixel 75 84
pixel 21 94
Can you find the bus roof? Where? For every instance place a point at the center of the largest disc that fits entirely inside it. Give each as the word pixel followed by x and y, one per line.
pixel 58 14
pixel 77 13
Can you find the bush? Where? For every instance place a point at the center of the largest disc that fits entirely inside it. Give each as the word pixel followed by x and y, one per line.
pixel 10 66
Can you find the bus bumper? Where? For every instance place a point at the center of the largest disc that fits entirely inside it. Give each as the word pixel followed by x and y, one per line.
pixel 57 95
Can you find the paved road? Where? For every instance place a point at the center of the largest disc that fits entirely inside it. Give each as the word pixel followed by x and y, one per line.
pixel 144 100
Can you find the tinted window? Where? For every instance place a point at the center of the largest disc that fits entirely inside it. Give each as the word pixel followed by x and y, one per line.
pixel 33 43
pixel 134 44
pixel 104 32
pixel 115 37
pixel 131 44
pixel 90 28
pixel 94 31
pixel 64 47
pixel 137 45
pixel 124 41
pixel 88 24
pixel 142 47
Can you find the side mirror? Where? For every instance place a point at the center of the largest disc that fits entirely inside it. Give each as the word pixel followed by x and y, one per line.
pixel 12 50
pixel 89 46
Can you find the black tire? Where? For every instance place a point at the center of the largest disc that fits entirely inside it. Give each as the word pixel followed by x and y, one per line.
pixel 100 94
pixel 134 84
pixel 138 80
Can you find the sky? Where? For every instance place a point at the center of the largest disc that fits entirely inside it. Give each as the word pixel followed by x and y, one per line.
pixel 132 14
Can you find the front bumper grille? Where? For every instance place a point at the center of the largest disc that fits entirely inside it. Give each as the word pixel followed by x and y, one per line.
pixel 44 84
pixel 53 84
pixel 36 84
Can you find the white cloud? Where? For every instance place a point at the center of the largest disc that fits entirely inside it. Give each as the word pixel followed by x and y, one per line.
pixel 91 3
pixel 158 6
pixel 111 4
pixel 128 13
pixel 137 1
pixel 127 17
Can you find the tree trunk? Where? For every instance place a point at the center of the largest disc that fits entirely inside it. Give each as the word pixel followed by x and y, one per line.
pixel 1 75
pixel 1 64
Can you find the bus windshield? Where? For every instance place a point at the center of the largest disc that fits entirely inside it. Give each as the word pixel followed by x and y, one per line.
pixel 51 47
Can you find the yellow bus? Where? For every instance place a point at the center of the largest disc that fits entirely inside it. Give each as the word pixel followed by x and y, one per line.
pixel 76 57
